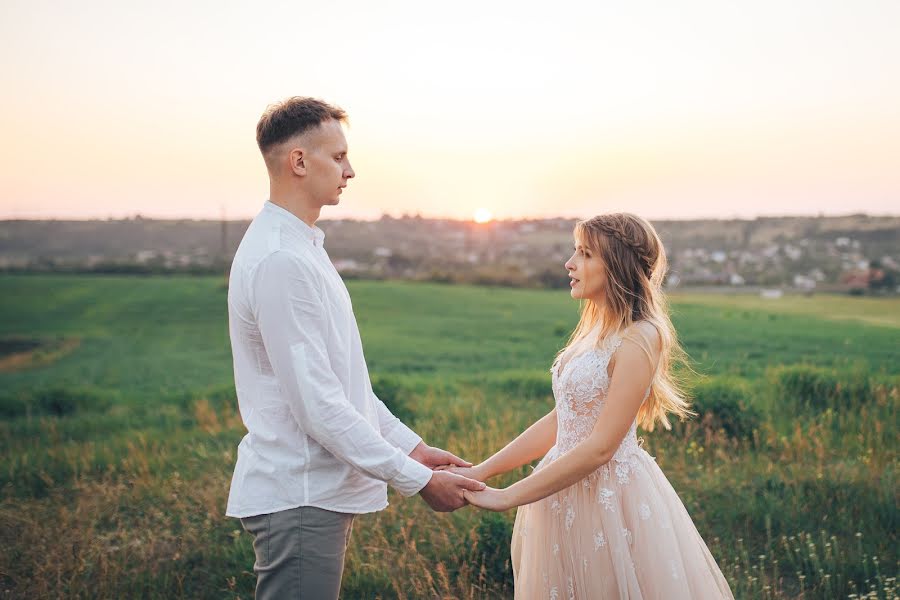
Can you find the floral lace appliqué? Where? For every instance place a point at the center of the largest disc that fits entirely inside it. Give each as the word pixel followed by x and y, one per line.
pixel 605 497
pixel 580 388
pixel 555 506
pixel 644 511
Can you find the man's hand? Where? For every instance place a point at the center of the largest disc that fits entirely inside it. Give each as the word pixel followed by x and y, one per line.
pixel 444 492
pixel 435 457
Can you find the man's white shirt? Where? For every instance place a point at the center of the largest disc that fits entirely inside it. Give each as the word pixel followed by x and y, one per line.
pixel 317 433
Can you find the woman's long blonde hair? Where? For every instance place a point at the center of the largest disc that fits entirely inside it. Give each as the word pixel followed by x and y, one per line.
pixel 635 263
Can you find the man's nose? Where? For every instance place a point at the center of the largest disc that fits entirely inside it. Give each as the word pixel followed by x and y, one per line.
pixel 349 173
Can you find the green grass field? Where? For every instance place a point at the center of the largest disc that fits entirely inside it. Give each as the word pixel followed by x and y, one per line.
pixel 118 430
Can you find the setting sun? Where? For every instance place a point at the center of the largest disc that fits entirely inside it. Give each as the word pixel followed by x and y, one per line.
pixel 482 215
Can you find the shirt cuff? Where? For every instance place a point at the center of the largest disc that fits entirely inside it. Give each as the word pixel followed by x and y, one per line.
pixel 403 437
pixel 413 476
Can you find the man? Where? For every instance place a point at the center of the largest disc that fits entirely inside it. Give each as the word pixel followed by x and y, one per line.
pixel 320 446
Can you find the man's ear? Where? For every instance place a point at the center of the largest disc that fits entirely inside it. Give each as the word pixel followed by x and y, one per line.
pixel 297 158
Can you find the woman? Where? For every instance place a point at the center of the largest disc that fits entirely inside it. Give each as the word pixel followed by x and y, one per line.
pixel 598 519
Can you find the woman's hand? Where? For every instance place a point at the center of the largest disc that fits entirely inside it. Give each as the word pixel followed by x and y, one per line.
pixel 476 472
pixel 489 498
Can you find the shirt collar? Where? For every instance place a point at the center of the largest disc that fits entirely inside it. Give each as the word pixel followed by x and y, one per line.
pixel 315 235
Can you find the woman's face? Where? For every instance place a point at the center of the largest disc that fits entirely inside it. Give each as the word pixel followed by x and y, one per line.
pixel 587 274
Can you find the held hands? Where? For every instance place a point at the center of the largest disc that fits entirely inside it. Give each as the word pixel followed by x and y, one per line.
pixel 445 491
pixel 434 458
pixel 457 482
pixel 494 499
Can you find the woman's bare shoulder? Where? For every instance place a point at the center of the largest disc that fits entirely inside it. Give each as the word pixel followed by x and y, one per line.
pixel 645 329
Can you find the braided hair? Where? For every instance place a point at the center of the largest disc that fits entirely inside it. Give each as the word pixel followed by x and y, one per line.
pixel 635 262
pixel 622 230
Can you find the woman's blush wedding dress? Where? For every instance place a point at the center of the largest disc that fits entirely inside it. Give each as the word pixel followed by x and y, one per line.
pixel 620 533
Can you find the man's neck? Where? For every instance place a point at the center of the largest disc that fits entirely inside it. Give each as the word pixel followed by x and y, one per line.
pixel 296 206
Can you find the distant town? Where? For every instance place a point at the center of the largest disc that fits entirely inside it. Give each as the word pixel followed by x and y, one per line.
pixel 854 253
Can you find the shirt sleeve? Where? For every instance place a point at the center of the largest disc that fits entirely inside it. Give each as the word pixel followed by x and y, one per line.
pixel 293 321
pixel 394 430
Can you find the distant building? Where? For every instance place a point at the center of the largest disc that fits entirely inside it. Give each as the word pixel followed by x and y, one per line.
pixel 857 279
pixel 804 282
pixel 771 294
pixel 144 256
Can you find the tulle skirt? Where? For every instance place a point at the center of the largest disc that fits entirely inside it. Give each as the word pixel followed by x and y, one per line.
pixel 620 533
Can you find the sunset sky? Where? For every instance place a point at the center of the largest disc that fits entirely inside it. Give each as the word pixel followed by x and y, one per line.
pixel 668 109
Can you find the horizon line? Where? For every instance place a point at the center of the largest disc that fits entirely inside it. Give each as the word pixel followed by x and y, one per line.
pixel 412 216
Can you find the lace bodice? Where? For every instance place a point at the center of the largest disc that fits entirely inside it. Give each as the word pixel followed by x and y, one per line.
pixel 580 390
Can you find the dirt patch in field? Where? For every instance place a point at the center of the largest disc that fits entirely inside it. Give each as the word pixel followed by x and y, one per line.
pixel 18 353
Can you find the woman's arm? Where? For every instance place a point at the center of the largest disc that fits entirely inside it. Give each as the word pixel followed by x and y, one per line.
pixel 631 376
pixel 531 444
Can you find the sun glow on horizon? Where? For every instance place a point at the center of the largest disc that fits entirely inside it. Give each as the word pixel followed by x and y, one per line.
pixel 669 128
pixel 482 215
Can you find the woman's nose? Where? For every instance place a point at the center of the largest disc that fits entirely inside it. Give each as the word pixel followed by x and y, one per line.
pixel 569 266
